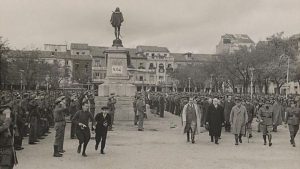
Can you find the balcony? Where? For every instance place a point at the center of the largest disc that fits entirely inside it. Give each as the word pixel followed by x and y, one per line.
pixel 99 68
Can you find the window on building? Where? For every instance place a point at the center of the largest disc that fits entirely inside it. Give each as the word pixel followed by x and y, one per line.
pixel 169 65
pixel 147 54
pixel 141 78
pixel 67 62
pixel 161 68
pixel 97 74
pixel 55 50
pixel 76 65
pixel 151 66
pixel 52 53
pixel 97 63
pixel 141 66
pixel 226 41
pixel 77 53
pixel 83 53
pixel 151 78
pixel 165 55
pixel 152 54
pixel 160 78
pixel 86 67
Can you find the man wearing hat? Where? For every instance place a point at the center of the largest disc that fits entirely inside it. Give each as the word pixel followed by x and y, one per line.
pixel 238 120
pixel 60 124
pixel 33 120
pixel 265 118
pixel 103 121
pixel 111 106
pixel 7 154
pixel 292 118
pixel 229 103
pixel 141 108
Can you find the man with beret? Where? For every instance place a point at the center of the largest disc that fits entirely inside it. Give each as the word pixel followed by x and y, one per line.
pixel 59 125
pixel 103 121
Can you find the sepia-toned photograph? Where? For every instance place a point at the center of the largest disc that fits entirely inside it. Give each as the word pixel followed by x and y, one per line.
pixel 149 84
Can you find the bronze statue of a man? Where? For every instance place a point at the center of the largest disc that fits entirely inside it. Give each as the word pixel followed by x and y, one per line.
pixel 116 20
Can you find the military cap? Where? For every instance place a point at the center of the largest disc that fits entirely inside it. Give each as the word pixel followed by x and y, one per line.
pixel 237 98
pixel 104 108
pixel 59 99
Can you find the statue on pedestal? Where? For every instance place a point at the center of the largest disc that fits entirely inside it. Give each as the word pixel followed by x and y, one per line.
pixel 116 21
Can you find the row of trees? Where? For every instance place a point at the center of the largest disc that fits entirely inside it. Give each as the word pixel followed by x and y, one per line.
pixel 267 62
pixel 26 69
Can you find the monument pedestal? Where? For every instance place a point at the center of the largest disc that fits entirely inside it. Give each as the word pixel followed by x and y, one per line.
pixel 117 79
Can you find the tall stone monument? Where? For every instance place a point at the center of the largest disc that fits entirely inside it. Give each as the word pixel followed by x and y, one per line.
pixel 117 79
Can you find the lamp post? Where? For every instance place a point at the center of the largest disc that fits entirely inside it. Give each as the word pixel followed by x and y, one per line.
pixel 287 72
pixel 211 75
pixel 21 72
pixel 251 90
pixel 47 82
pixel 189 84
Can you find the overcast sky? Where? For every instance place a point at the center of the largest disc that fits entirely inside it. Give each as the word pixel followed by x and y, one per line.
pixel 180 25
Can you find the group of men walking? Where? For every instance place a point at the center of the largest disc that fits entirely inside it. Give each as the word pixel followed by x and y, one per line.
pixel 237 115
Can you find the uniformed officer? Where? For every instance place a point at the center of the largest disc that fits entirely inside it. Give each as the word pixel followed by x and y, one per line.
pixel 7 154
pixel 265 117
pixel 60 124
pixel 140 106
pixel 293 120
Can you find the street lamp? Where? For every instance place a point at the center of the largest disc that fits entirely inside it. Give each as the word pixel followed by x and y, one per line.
pixel 47 81
pixel 21 72
pixel 211 75
pixel 251 90
pixel 287 72
pixel 189 84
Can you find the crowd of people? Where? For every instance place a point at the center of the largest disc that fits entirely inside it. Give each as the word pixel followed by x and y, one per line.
pixel 32 113
pixel 235 113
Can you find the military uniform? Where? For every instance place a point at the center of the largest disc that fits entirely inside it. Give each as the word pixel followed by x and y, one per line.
pixel 7 154
pixel 60 124
pixel 293 120
pixel 265 116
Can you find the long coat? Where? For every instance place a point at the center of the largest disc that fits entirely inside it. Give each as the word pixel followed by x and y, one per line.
pixel 215 118
pixel 102 125
pixel 238 119
pixel 184 113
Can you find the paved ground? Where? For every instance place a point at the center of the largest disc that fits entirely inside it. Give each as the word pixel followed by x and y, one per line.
pixel 162 147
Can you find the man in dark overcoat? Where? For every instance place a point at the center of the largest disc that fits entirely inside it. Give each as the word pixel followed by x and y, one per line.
pixel 215 118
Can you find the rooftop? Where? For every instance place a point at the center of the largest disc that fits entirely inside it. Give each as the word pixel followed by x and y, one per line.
pixel 152 49
pixel 80 46
pixel 238 38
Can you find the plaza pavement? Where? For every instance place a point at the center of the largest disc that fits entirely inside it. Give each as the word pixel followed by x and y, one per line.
pixel 163 147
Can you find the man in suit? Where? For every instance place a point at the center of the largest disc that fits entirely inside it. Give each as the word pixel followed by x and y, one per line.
pixel 103 121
